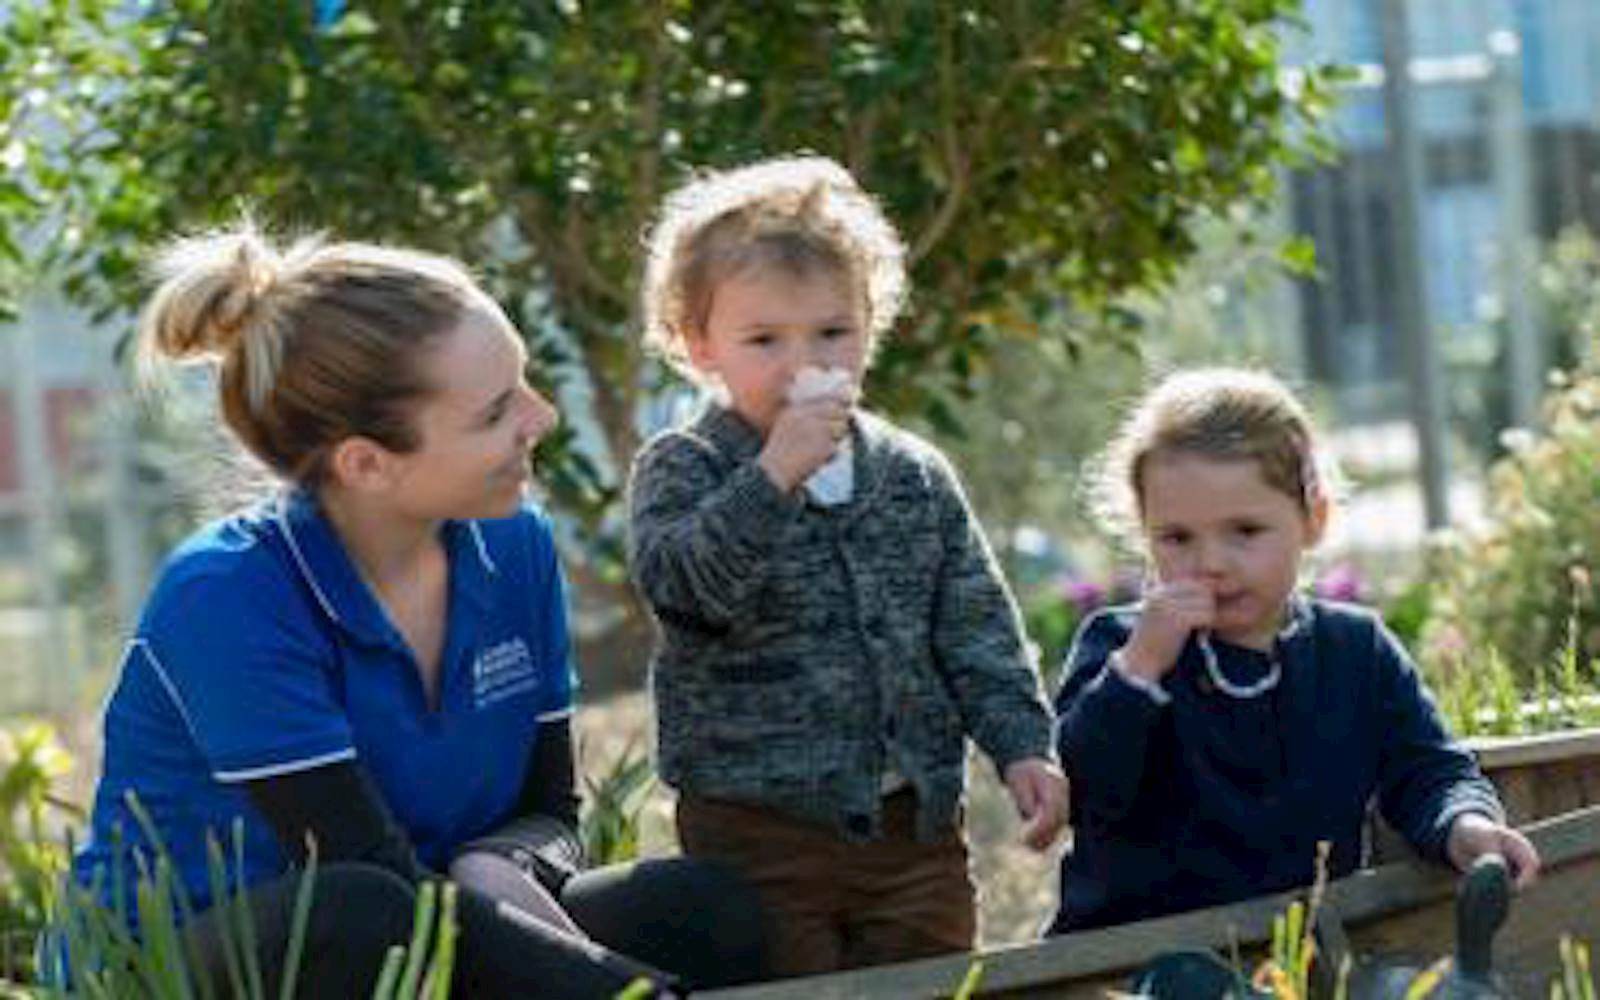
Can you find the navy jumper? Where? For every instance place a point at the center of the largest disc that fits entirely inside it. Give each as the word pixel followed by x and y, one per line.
pixel 1209 799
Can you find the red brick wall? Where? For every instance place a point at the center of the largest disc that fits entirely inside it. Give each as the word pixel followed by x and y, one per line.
pixel 69 412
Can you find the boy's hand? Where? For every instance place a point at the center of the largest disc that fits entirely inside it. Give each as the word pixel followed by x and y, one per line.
pixel 1171 611
pixel 1039 790
pixel 1473 835
pixel 803 437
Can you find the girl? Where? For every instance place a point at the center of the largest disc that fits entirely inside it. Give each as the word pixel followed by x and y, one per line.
pixel 1221 728
pixel 832 623
pixel 375 657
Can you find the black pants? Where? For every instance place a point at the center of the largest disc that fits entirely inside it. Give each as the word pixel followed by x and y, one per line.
pixel 697 922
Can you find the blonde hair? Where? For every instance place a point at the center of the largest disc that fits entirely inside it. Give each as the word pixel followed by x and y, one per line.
pixel 316 342
pixel 797 214
pixel 1228 414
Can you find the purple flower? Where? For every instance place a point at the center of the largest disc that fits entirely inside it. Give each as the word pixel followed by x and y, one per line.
pixel 1085 595
pixel 1340 582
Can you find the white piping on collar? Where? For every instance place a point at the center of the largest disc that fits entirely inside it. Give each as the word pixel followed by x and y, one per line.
pixel 483 548
pixel 300 560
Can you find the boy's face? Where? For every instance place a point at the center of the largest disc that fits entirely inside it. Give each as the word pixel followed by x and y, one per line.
pixel 1218 522
pixel 766 324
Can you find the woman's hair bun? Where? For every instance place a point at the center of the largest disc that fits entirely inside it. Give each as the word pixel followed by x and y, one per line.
pixel 215 289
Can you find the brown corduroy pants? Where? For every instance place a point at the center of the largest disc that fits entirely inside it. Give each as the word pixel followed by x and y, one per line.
pixel 832 904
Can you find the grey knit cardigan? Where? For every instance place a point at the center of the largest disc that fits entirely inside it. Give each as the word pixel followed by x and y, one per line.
pixel 804 650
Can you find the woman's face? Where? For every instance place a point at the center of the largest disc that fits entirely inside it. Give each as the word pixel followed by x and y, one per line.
pixel 477 426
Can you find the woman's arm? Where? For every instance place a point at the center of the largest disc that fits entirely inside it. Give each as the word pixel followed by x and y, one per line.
pixel 542 837
pixel 341 808
pixel 338 806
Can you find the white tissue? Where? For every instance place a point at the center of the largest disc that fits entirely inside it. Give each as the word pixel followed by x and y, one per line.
pixel 834 481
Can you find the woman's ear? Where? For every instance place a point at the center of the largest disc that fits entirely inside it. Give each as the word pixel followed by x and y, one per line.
pixel 361 464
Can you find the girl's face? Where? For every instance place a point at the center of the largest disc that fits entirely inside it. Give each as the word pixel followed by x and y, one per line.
pixel 1217 521
pixel 766 324
pixel 476 427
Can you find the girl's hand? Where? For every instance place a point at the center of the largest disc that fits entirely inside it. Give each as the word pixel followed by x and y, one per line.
pixel 1171 611
pixel 1039 790
pixel 804 436
pixel 1473 835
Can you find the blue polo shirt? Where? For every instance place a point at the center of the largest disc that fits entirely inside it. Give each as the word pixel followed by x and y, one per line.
pixel 262 652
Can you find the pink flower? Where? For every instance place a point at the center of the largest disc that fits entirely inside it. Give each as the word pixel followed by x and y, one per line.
pixel 1340 582
pixel 1085 595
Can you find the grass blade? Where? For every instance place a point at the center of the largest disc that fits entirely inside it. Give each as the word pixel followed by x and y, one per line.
pixel 240 904
pixel 302 915
pixel 444 956
pixel 390 975
pixel 217 874
pixel 421 931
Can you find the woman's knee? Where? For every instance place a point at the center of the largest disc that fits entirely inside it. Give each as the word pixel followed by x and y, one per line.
pixel 700 919
pixel 362 908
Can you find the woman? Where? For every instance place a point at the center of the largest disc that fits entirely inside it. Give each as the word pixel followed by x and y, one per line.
pixel 376 660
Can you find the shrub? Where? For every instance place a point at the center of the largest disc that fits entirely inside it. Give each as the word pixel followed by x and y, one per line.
pixel 31 761
pixel 1522 585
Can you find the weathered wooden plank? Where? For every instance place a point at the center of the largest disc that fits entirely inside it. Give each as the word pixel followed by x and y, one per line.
pixel 1496 752
pixel 1405 907
pixel 1537 777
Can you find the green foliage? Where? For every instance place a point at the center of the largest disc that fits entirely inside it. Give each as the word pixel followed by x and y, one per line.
pixel 1515 601
pixel 1577 978
pixel 1036 155
pixel 609 826
pixel 422 970
pixel 31 761
pixel 1044 406
pixel 1569 287
pixel 970 982
pixel 103 958
pixel 1523 586
pixel 1407 611
pixel 1051 622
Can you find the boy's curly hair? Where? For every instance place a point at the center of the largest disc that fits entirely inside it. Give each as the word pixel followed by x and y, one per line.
pixel 797 213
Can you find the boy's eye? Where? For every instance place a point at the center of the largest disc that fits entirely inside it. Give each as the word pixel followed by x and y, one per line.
pixel 759 339
pixel 1249 530
pixel 1173 537
pixel 836 332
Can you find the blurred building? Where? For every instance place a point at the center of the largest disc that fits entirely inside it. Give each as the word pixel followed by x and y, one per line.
pixel 1486 142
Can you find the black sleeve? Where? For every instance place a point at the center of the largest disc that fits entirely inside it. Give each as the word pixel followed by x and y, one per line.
pixel 342 809
pixel 550 785
pixel 504 951
pixel 541 836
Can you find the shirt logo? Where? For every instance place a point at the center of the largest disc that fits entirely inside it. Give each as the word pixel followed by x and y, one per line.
pixel 504 670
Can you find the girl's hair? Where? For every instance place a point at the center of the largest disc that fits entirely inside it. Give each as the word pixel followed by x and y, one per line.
pixel 798 214
pixel 316 342
pixel 1227 414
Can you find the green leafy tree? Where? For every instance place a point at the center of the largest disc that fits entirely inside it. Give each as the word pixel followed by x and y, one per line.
pixel 1036 154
